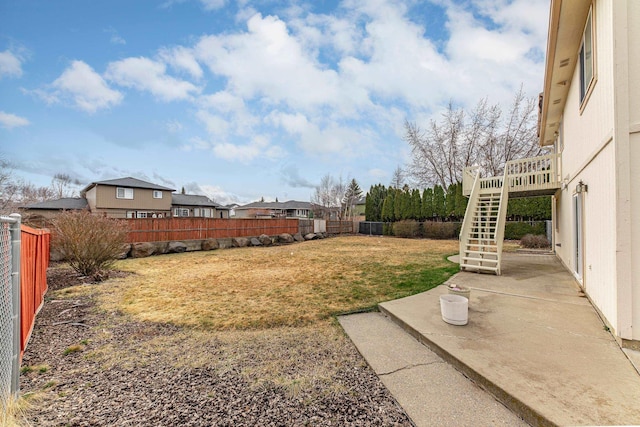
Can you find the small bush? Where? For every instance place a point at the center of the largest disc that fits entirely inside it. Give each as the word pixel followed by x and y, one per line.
pixel 407 228
pixel 517 230
pixel 387 229
pixel 531 241
pixel 90 243
pixel 441 230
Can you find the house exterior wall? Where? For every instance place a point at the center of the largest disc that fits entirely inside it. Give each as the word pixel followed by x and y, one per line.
pixel 633 18
pixel 602 149
pixel 142 199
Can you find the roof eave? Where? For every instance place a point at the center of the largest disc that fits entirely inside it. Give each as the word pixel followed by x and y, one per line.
pixel 566 26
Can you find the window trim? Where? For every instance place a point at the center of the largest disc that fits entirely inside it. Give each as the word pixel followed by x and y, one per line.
pixel 125 192
pixel 157 194
pixel 586 88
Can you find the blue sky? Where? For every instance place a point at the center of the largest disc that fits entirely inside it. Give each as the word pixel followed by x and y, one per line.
pixel 240 100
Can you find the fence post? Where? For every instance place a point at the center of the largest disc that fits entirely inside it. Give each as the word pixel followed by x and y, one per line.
pixel 16 236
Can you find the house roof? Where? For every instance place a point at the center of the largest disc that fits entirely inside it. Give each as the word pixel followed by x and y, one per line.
pixel 566 26
pixel 128 182
pixel 66 203
pixel 193 200
pixel 291 204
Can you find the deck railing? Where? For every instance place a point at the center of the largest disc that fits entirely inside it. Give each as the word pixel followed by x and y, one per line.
pixel 523 175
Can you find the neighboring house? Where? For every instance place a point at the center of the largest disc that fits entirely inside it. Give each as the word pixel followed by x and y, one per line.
pixel 590 115
pixel 290 209
pixel 188 205
pixel 40 213
pixel 128 198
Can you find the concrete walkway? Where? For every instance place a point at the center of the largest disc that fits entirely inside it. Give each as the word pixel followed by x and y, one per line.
pixel 533 341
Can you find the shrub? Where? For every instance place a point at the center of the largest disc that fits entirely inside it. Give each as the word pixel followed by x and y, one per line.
pixel 517 230
pixel 407 228
pixel 387 229
pixel 534 241
pixel 441 230
pixel 90 243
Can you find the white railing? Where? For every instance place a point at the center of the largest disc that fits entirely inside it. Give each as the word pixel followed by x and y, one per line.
pixel 530 174
pixel 465 229
pixel 500 223
pixel 533 173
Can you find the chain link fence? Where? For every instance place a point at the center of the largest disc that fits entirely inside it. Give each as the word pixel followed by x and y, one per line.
pixel 9 307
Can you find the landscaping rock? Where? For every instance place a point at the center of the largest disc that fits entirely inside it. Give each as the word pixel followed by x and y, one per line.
pixel 176 248
pixel 126 248
pixel 310 236
pixel 298 237
pixel 285 238
pixel 142 249
pixel 240 242
pixel 210 244
pixel 256 242
pixel 265 240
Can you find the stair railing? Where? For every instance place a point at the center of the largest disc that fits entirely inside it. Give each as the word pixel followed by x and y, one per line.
pixel 502 219
pixel 468 214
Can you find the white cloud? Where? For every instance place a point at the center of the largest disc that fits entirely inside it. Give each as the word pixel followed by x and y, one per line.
pixel 266 62
pixel 215 125
pixel 243 153
pixel 378 173
pixel 144 74
pixel 212 4
pixel 173 126
pixel 9 121
pixel 86 88
pixel 10 64
pixel 182 59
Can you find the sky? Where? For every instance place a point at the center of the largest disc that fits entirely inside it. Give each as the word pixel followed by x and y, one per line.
pixel 240 100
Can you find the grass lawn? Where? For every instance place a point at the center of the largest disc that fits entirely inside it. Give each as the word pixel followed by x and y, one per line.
pixel 293 285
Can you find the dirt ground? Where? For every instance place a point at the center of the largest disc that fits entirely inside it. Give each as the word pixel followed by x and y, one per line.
pixel 88 367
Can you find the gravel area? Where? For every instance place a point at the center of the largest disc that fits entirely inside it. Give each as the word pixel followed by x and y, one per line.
pixel 87 367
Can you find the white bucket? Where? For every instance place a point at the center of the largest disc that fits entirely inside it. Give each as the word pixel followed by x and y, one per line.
pixel 455 309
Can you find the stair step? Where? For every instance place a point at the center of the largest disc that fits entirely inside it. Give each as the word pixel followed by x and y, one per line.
pixel 492 261
pixel 478 267
pixel 467 251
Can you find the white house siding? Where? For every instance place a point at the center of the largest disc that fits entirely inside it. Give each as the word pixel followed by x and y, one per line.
pixel 589 156
pixel 633 25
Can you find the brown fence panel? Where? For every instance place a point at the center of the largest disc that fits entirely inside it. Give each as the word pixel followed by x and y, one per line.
pixel 340 227
pixel 305 226
pixel 34 261
pixel 177 229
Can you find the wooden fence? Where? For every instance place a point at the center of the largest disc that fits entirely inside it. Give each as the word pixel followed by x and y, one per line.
pixel 340 227
pixel 176 229
pixel 34 261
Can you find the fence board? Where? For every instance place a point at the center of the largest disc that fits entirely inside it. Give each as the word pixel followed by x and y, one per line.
pixel 339 227
pixel 177 229
pixel 34 261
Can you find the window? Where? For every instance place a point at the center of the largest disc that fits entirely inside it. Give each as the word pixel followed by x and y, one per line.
pixel 141 214
pixel 131 214
pixel 124 193
pixel 586 59
pixel 157 194
pixel 180 212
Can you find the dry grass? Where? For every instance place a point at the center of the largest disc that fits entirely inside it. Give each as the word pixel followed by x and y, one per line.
pixel 249 288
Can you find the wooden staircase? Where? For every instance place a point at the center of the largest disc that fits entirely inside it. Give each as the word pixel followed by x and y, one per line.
pixel 480 249
pixel 482 231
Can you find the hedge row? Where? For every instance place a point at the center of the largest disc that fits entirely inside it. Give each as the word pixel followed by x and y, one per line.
pixel 451 230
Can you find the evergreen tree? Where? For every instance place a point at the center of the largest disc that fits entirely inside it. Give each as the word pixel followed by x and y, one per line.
pixel 450 202
pixel 416 205
pixel 388 208
pixel 461 203
pixel 427 204
pixel 439 208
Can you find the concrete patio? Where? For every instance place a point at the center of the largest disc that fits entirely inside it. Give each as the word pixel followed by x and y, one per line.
pixel 533 341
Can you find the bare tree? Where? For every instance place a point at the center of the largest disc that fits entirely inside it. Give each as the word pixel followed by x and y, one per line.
pixel 62 185
pixel 479 137
pixel 397 180
pixel 328 196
